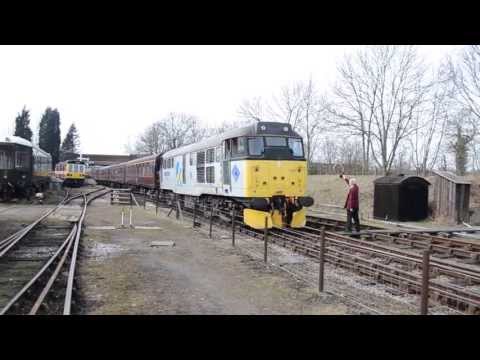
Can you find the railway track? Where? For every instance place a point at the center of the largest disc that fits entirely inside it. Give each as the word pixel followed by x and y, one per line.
pixel 37 263
pixel 382 258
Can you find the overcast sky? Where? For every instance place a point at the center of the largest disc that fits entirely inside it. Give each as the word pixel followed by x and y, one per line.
pixel 113 92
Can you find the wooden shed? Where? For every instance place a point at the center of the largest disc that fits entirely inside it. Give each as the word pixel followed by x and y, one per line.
pixel 451 195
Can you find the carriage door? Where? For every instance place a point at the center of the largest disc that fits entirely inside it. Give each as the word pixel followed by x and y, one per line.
pixel 227 184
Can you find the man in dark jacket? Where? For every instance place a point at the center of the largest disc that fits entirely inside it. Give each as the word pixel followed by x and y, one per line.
pixel 351 204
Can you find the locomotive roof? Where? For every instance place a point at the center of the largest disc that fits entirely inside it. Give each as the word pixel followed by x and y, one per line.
pixel 261 128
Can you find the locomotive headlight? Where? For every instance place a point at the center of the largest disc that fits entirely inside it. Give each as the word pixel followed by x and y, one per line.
pixel 285 128
pixel 263 127
pixel 5 176
pixel 24 176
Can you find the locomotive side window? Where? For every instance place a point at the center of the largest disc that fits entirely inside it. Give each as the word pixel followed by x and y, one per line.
pixel 210 155
pixel 226 153
pixel 210 174
pixel 201 167
pixel 238 146
pixel 6 160
pixel 242 146
pixel 255 146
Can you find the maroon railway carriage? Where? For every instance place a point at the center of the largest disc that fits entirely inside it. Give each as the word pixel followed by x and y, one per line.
pixel 141 173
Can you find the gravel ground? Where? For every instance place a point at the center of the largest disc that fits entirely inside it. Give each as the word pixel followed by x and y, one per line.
pixel 120 273
pixel 14 217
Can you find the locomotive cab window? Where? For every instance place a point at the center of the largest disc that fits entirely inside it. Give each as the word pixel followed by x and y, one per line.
pixel 255 146
pixel 275 141
pixel 238 146
pixel 296 146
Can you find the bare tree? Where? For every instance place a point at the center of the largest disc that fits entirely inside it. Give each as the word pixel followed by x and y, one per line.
pixel 254 110
pixel 350 156
pixel 289 105
pixel 379 93
pixel 150 141
pixel 312 120
pixel 466 77
pixel 330 151
pixel 176 129
pixel 464 73
pixel 429 127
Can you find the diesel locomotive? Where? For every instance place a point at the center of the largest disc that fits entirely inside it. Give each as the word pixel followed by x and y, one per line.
pixel 24 168
pixel 260 168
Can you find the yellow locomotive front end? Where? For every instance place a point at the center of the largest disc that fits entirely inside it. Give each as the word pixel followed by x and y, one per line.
pixel 281 183
pixel 273 176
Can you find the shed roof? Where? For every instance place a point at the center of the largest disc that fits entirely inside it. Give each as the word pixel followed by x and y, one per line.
pixel 452 177
pixel 398 179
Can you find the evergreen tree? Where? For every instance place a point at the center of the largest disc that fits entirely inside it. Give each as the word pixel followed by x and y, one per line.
pixel 22 125
pixel 71 143
pixel 49 134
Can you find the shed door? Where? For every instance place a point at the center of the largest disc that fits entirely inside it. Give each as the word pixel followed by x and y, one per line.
pixel 414 202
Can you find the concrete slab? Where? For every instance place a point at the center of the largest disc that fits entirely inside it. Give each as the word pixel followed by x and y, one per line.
pixel 162 243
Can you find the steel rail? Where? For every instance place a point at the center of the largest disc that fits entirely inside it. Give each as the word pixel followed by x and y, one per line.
pixel 450 292
pixel 73 260
pixel 19 294
pixel 63 250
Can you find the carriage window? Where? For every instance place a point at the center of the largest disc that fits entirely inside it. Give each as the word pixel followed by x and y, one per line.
pixel 296 146
pixel 6 160
pixel 275 141
pixel 255 146
pixel 218 154
pixel 22 159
